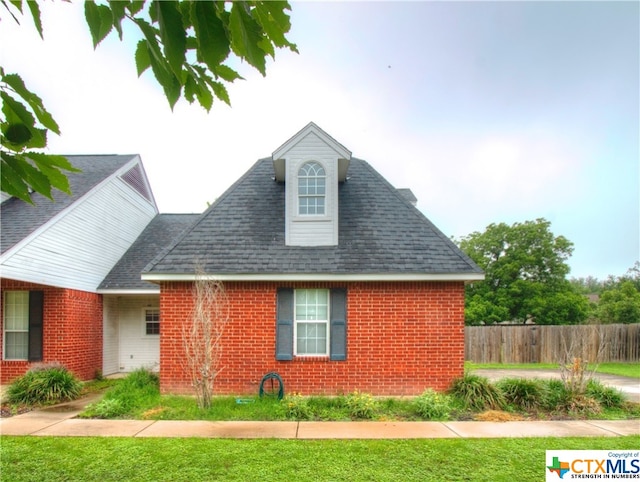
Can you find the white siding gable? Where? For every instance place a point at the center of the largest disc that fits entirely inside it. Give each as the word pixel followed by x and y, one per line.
pixel 311 144
pixel 78 247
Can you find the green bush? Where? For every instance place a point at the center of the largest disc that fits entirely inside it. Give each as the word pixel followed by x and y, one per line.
pixel 432 405
pixel 44 384
pixel 477 393
pixel 557 395
pixel 607 396
pixel 523 393
pixel 361 405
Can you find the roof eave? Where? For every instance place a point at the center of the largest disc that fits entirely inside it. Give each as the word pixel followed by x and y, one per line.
pixel 124 291
pixel 466 277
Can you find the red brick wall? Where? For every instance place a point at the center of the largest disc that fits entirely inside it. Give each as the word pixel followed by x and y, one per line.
pixel 401 339
pixel 72 330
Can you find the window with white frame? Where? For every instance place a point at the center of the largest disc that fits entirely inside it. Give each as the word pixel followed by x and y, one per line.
pixel 152 321
pixel 16 325
pixel 311 189
pixel 311 327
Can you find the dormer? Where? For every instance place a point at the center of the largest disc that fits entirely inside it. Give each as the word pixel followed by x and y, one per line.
pixel 311 164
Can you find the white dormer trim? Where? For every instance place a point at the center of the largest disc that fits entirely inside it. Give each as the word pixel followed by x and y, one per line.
pixel 282 153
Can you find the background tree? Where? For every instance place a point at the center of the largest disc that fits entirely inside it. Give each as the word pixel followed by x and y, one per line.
pixel 525 276
pixel 186 44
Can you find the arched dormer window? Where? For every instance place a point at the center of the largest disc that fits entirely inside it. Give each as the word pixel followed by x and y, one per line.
pixel 311 189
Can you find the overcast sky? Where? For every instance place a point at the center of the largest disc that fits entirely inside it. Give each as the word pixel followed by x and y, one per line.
pixel 489 112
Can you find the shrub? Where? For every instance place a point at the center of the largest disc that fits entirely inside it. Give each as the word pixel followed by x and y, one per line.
pixel 477 393
pixel 557 395
pixel 432 405
pixel 607 396
pixel 523 393
pixel 361 405
pixel 44 384
pixel 581 405
pixel 296 407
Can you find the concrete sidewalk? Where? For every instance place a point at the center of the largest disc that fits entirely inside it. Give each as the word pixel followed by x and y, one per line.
pixel 60 421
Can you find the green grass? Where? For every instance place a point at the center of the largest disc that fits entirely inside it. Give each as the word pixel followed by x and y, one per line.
pixel 191 459
pixel 630 369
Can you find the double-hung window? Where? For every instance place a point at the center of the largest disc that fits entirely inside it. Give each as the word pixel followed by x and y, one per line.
pixel 311 322
pixel 22 325
pixel 311 189
pixel 16 325
pixel 152 321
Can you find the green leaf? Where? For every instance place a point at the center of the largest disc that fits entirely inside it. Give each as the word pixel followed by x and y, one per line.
pixel 159 65
pixel 35 14
pixel 246 36
pixel 17 134
pixel 30 175
pixel 213 44
pixel 38 139
pixel 10 181
pixel 51 166
pixel 221 92
pixel 201 89
pixel 143 61
pixel 15 82
pixel 226 73
pixel 172 34
pixel 274 21
pixel 118 12
pixel 135 6
pixel 167 80
pixel 15 111
pixel 99 19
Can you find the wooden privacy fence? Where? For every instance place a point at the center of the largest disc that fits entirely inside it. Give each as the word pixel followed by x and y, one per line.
pixel 551 343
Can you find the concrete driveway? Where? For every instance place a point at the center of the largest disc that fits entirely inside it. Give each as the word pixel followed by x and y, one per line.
pixel 629 386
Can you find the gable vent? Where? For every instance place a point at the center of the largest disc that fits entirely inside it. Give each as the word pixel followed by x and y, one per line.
pixel 134 178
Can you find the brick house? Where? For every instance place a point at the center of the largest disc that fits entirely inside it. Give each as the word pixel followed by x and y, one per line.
pixel 335 281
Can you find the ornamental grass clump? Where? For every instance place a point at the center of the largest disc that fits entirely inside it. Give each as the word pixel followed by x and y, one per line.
pixel 477 393
pixel 523 393
pixel 606 396
pixel 44 384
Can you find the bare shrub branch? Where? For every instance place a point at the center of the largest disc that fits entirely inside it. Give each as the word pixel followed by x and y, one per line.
pixel 582 352
pixel 202 336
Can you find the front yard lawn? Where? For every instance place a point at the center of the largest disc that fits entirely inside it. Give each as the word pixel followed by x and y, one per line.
pixel 138 459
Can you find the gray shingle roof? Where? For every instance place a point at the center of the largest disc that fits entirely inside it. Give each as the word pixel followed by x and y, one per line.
pixel 159 233
pixel 19 219
pixel 380 232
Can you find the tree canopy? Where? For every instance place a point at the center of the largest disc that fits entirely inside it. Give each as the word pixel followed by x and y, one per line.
pixel 187 45
pixel 525 276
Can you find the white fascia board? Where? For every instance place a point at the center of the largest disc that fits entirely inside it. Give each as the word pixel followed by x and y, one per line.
pixel 159 277
pixel 152 291
pixel 65 212
pixel 342 151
